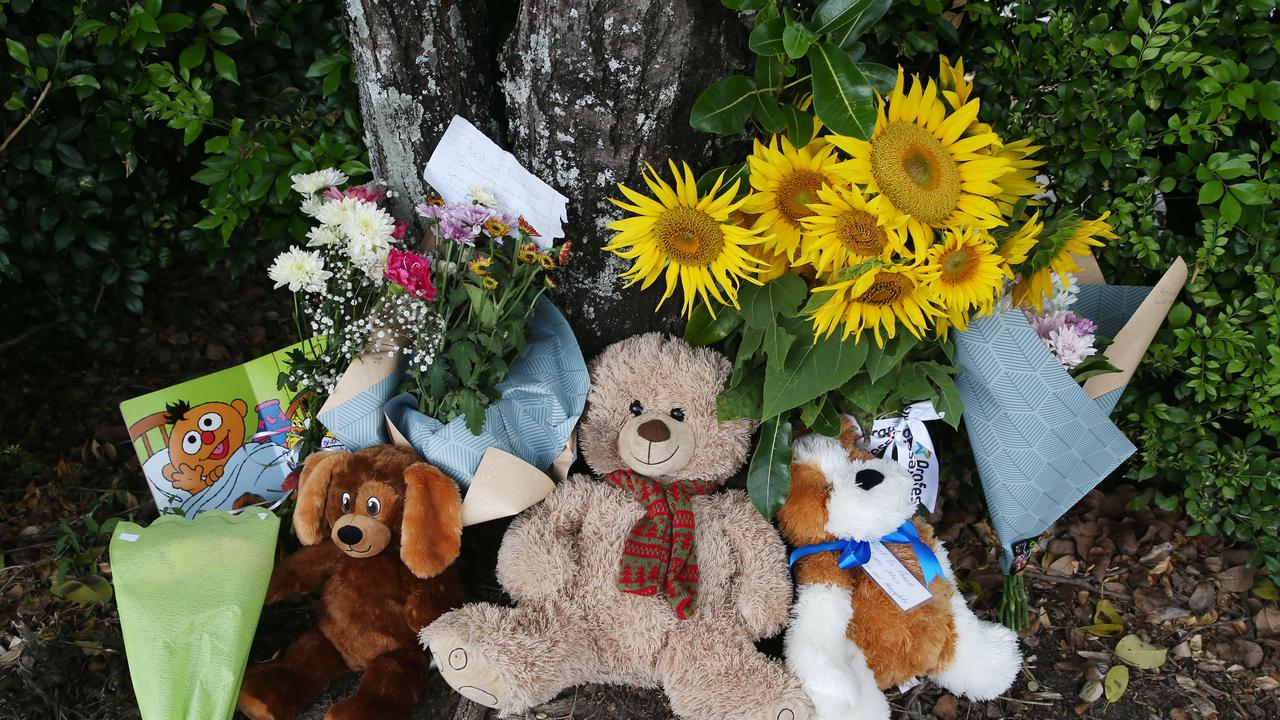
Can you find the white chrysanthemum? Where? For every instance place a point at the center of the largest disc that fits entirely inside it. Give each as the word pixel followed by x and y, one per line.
pixel 311 205
pixel 300 270
pixel 482 196
pixel 369 256
pixel 368 223
pixel 1070 346
pixel 324 236
pixel 1064 293
pixel 314 182
pixel 336 212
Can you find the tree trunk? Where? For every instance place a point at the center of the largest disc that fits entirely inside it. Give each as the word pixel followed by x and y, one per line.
pixel 418 63
pixel 587 92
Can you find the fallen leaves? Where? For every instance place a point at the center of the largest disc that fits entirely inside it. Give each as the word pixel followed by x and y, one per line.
pixel 1267 621
pixel 1106 620
pixel 1140 654
pixel 1116 682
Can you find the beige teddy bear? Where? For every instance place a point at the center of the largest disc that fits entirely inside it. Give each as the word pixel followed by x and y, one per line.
pixel 651 576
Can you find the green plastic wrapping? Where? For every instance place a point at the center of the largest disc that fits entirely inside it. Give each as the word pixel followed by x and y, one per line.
pixel 190 593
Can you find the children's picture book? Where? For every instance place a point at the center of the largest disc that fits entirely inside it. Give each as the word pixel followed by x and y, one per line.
pixel 221 441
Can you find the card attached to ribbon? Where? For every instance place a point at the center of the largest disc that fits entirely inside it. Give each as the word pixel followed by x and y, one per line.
pixel 906 439
pixel 466 158
pixel 894 578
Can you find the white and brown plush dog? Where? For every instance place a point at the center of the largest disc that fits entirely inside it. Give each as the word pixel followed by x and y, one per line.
pixel 848 639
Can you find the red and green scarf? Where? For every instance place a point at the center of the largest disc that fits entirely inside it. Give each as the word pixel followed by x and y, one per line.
pixel 659 554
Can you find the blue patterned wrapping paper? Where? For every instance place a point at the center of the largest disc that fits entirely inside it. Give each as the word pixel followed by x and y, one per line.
pixel 542 397
pixel 1040 442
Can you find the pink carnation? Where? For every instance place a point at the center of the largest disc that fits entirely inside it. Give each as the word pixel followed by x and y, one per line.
pixel 410 271
pixel 400 228
pixel 367 193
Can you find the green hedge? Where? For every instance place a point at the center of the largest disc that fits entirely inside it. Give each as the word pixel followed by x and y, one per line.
pixel 1164 114
pixel 140 131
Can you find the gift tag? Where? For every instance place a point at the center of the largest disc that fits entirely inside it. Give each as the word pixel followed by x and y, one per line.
pixel 894 578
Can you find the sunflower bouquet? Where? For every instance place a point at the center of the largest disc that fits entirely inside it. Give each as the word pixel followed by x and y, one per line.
pixel 836 272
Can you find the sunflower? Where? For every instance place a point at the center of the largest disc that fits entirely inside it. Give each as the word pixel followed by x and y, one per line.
pixel 1020 182
pixel 685 237
pixel 480 266
pixel 969 275
pixel 879 298
pixel 918 163
pixel 496 227
pixel 1015 247
pixel 842 231
pixel 547 262
pixel 775 265
pixel 489 282
pixel 1053 253
pixel 786 181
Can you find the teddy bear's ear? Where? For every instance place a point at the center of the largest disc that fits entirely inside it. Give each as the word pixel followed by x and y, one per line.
pixel 313 489
pixel 431 532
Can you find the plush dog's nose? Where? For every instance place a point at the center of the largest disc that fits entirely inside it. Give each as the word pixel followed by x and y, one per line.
pixel 867 479
pixel 654 431
pixel 350 534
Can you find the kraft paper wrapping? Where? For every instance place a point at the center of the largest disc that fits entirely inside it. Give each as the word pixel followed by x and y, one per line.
pixel 504 469
pixel 1041 441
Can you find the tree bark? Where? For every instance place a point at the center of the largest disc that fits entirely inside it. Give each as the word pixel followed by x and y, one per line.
pixel 418 63
pixel 589 91
pixel 594 90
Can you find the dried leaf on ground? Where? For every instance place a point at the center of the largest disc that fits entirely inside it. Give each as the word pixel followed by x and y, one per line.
pixel 1116 682
pixel 1140 653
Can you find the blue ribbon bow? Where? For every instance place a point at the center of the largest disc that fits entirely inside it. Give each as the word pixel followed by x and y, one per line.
pixel 855 553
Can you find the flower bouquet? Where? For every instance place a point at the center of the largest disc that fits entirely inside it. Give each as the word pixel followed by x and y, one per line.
pixel 839 270
pixel 450 328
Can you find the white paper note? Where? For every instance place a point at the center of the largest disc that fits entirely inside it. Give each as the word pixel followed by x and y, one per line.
pixel 467 158
pixel 894 577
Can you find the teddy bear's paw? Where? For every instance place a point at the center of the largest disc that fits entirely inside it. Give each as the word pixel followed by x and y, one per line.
pixel 366 707
pixel 786 709
pixel 464 666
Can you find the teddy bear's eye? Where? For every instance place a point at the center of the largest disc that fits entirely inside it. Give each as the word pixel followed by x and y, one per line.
pixel 373 506
pixel 636 407
pixel 346 502
pixel 677 414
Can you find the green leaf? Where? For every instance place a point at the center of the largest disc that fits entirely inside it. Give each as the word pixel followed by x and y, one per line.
pixel 880 361
pixel 18 52
pixel 796 39
pixel 743 400
pixel 731 173
pixel 948 400
pixel 69 156
pixel 725 107
pixel 799 125
pixel 865 394
pixel 1116 682
pixel 744 5
pixel 83 81
pixel 87 590
pixel 193 55
pixel 811 369
pixel 881 77
pixel 1140 654
pixel 769 113
pixel 225 66
pixel 846 20
pixel 325 65
pixel 762 305
pixel 766 38
pixel 769 475
pixel 224 36
pixel 1230 209
pixel 842 95
pixel 173 22
pixel 1210 192
pixel 703 329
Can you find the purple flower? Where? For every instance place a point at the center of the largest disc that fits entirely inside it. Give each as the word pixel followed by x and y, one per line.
pixel 452 228
pixel 1083 325
pixel 431 211
pixel 474 214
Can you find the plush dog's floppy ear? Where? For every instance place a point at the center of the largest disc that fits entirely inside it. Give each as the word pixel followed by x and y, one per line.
pixel 431 532
pixel 313 488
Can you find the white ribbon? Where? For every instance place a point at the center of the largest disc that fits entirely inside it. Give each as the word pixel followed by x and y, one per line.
pixel 906 439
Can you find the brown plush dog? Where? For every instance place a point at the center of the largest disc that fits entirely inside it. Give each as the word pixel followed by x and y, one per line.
pixel 848 639
pixel 396 528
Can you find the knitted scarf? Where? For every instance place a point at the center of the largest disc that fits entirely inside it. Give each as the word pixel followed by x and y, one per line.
pixel 659 556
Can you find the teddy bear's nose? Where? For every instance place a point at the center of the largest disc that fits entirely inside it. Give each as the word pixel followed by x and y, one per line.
pixel 654 431
pixel 206 437
pixel 350 534
pixel 867 479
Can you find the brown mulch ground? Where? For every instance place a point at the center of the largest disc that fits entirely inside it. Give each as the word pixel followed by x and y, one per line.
pixel 66 465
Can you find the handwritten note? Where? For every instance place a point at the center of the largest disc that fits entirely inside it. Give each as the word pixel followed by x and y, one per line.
pixel 894 578
pixel 467 158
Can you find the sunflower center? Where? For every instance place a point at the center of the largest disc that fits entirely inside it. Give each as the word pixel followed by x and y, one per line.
pixel 858 231
pixel 916 172
pixel 796 191
pixel 887 289
pixel 690 237
pixel 958 265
